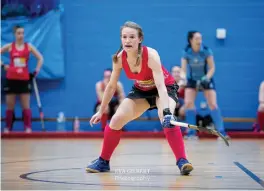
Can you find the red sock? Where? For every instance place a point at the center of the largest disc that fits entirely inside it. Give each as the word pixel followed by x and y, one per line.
pixel 9 118
pixel 27 118
pixel 261 120
pixel 174 137
pixel 111 140
pixel 104 119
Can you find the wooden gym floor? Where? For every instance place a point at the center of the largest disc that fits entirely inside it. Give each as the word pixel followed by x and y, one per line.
pixel 145 164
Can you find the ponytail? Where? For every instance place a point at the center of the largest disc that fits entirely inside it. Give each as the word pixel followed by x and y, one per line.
pixel 139 54
pixel 115 56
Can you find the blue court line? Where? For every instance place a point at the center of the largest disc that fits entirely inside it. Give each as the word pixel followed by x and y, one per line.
pixel 250 174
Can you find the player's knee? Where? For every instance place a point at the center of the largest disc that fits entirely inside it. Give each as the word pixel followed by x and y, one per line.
pixel 212 106
pixel 181 112
pixel 261 107
pixel 25 105
pixel 116 122
pixel 189 105
pixel 10 105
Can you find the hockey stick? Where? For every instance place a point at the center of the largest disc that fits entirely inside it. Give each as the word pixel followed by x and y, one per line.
pixel 202 129
pixel 199 86
pixel 41 114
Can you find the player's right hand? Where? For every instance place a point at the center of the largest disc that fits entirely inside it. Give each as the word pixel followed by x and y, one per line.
pixel 5 67
pixel 96 118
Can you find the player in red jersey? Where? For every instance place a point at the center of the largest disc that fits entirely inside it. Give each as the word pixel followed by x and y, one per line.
pixel 18 77
pixel 154 88
pixel 118 96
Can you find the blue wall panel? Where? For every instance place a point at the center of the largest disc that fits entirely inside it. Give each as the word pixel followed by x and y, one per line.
pixel 91 36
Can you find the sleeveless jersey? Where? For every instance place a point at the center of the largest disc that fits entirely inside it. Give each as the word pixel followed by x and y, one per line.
pixel 144 79
pixel 18 69
pixel 197 64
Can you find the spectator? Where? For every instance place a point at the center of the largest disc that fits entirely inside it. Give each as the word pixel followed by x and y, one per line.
pixel 176 72
pixel 119 95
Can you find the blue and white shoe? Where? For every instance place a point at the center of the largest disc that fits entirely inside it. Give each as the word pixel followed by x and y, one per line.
pixel 184 166
pixel 98 165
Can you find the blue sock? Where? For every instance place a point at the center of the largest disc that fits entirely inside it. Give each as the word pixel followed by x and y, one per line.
pixel 218 121
pixel 190 119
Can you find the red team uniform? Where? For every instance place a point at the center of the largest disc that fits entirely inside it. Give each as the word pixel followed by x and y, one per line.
pixel 17 74
pixel 18 81
pixel 18 68
pixel 144 86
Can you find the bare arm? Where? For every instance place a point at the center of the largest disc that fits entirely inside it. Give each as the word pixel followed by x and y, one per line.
pixel 99 91
pixel 155 64
pixel 38 55
pixel 121 92
pixel 111 86
pixel 5 48
pixel 210 62
pixel 184 66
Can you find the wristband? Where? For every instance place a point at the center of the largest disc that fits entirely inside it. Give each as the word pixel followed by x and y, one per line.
pixel 166 111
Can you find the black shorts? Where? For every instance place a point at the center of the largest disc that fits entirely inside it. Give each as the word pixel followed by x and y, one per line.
pixel 112 107
pixel 151 95
pixel 17 86
pixel 207 86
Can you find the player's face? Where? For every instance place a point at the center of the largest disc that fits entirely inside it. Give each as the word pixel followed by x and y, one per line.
pixel 197 39
pixel 107 75
pixel 19 34
pixel 130 39
pixel 176 73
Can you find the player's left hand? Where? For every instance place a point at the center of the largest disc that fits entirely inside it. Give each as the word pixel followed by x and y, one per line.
pixel 96 118
pixel 205 79
pixel 34 74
